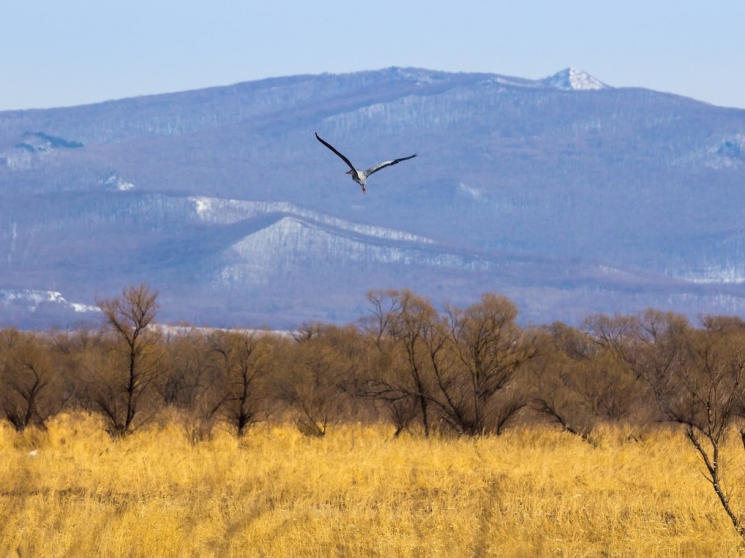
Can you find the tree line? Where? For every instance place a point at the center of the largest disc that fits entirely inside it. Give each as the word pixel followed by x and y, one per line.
pixel 454 371
pixel 464 371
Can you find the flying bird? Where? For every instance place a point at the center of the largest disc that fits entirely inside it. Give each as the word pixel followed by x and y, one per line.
pixel 360 177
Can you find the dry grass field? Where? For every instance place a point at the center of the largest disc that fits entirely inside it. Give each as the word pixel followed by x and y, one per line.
pixel 73 491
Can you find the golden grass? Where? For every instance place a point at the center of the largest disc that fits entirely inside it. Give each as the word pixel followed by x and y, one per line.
pixel 529 492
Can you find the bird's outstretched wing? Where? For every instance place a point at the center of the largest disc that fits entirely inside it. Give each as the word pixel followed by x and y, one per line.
pixel 331 147
pixel 376 168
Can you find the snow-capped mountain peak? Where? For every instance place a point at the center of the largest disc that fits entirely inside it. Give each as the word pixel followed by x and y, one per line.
pixel 575 80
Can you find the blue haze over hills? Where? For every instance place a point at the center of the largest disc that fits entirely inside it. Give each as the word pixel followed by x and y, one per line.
pixel 567 195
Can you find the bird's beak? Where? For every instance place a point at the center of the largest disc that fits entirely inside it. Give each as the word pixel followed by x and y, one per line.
pixel 348 172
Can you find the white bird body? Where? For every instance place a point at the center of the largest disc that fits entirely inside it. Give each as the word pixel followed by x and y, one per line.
pixel 360 177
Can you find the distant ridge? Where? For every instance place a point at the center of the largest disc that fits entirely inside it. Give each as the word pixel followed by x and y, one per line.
pixel 565 194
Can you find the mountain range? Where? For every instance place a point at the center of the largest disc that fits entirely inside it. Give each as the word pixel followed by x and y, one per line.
pixel 565 194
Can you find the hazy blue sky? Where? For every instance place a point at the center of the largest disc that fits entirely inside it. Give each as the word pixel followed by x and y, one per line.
pixel 68 52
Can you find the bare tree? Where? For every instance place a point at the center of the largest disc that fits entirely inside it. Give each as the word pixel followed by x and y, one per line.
pixel 578 382
pixel 243 362
pixel 126 376
pixel 191 384
pixel 321 370
pixel 489 350
pixel 458 367
pixel 26 375
pixel 705 395
pixel 401 321
pixel 551 378
pixel 697 377
pixel 651 344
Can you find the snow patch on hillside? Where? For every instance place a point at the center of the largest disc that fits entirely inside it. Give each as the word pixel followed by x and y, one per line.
pixel 292 246
pixel 727 153
pixel 719 153
pixel 610 271
pixel 716 275
pixel 514 82
pixel 419 76
pixel 115 182
pixel 31 299
pixel 471 193
pixel 227 211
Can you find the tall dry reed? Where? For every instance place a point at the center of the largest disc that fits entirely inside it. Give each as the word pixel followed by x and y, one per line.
pixel 73 491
